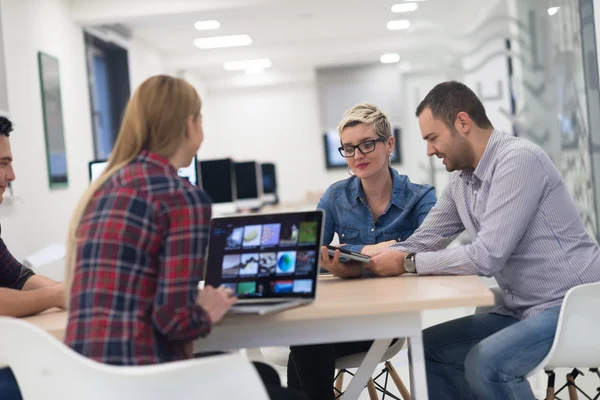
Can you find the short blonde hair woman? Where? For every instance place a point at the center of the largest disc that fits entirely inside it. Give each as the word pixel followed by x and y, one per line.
pixel 138 236
pixel 371 210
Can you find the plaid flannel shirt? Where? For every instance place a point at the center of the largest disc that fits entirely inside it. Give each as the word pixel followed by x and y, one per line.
pixel 139 258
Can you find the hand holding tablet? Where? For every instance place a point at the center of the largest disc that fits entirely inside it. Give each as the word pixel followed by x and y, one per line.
pixel 347 255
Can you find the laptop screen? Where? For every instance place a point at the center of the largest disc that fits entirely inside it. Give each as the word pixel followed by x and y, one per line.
pixel 266 256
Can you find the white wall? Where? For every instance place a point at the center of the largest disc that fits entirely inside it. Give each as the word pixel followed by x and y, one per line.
pixel 144 61
pixel 278 124
pixel 38 216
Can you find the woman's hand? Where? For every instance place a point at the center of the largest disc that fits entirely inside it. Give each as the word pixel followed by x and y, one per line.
pixel 372 250
pixel 351 269
pixel 215 302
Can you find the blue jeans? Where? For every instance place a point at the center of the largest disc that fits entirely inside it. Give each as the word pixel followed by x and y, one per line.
pixel 9 389
pixel 486 356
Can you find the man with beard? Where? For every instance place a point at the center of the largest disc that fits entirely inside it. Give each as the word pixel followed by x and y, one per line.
pixel 526 233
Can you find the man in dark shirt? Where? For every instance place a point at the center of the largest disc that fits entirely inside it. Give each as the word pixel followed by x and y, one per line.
pixel 22 292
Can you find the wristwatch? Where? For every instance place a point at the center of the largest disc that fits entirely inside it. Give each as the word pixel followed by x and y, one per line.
pixel 410 264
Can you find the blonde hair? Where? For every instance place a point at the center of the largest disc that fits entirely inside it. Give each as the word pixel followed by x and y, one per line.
pixel 365 113
pixel 155 120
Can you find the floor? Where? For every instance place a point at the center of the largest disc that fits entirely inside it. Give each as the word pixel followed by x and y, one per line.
pixel 589 383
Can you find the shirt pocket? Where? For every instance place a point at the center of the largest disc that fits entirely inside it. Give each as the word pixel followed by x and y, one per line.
pixel 397 235
pixel 347 235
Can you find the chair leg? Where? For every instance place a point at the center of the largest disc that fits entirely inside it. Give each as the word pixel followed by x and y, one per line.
pixel 339 382
pixel 397 381
pixel 372 391
pixel 550 389
pixel 572 388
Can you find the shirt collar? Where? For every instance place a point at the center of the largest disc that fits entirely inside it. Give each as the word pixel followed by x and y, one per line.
pixel 483 167
pixel 398 185
pixel 156 159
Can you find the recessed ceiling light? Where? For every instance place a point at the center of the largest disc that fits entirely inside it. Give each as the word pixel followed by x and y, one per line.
pixel 254 70
pixel 398 24
pixel 216 42
pixel 260 63
pixel 390 58
pixel 553 10
pixel 207 25
pixel 404 7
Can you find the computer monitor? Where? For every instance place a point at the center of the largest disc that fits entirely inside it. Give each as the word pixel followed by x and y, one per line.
pixel 249 185
pixel 190 172
pixel 269 178
pixel 218 181
pixel 96 167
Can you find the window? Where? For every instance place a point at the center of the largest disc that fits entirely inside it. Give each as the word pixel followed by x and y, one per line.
pixel 108 79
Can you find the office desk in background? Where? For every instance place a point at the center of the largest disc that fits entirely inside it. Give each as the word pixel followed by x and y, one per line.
pixel 377 309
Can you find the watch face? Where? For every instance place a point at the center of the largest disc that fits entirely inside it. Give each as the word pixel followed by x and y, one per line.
pixel 409 263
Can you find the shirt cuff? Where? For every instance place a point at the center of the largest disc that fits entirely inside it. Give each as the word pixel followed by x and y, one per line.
pixel 425 263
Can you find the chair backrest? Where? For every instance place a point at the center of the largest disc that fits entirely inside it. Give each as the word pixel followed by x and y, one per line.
pixel 577 340
pixel 46 368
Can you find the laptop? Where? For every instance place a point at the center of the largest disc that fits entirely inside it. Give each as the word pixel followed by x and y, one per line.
pixel 270 261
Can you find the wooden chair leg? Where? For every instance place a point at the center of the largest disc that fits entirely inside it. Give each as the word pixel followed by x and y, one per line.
pixel 339 382
pixel 571 386
pixel 372 390
pixel 550 389
pixel 397 381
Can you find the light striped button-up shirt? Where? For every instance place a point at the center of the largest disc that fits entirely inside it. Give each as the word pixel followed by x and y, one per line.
pixel 526 231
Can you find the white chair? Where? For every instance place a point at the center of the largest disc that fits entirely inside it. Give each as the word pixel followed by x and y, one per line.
pixel 279 356
pixel 47 369
pixel 577 340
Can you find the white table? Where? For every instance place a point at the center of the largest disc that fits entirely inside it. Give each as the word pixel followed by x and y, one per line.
pixel 377 309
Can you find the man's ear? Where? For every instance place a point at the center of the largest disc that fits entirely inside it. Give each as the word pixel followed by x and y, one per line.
pixel 463 122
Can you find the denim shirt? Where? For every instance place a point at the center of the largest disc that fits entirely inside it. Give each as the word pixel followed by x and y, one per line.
pixel 347 212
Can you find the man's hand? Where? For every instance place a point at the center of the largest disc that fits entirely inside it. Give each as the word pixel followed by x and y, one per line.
pixel 372 250
pixel 350 269
pixel 388 263
pixel 215 302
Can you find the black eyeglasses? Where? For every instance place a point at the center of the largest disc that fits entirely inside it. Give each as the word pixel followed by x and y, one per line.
pixel 364 147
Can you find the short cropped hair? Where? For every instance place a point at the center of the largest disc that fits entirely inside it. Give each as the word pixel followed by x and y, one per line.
pixel 447 99
pixel 6 126
pixel 365 113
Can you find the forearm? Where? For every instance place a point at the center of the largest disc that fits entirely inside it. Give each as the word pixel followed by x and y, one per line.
pixel 38 282
pixel 22 303
pixel 183 323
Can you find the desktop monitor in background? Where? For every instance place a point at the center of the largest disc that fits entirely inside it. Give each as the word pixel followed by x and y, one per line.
pixel 248 177
pixel 95 168
pixel 190 172
pixel 269 178
pixel 218 181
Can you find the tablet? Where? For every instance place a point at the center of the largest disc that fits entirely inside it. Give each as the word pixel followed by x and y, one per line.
pixel 347 255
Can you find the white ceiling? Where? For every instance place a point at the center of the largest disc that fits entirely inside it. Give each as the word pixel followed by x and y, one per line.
pixel 297 35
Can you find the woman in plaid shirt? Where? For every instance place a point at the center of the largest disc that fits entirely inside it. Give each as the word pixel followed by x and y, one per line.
pixel 138 237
